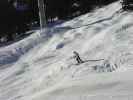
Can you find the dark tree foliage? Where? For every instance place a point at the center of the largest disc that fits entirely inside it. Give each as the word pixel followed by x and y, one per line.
pixel 58 8
pixel 65 9
pixel 7 18
pixel 127 4
pixel 14 18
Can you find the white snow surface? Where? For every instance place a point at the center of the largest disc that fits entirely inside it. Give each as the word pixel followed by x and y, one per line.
pixel 42 67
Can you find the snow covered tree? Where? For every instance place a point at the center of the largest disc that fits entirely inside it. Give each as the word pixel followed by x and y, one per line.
pixel 42 15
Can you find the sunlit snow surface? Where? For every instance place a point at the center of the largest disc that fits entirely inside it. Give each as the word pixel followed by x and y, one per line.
pixel 41 66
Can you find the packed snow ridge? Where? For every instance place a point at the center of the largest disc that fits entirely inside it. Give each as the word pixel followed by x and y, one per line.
pixel 42 67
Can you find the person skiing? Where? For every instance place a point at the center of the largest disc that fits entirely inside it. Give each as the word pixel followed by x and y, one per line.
pixel 77 57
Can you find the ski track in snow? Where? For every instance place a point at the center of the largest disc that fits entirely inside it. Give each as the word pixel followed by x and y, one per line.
pixel 41 67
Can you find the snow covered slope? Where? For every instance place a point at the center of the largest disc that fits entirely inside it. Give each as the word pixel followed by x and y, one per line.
pixel 41 66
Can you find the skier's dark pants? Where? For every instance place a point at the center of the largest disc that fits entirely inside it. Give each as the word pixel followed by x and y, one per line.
pixel 79 59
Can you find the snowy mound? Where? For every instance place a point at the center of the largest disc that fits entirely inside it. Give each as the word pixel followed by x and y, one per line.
pixel 41 66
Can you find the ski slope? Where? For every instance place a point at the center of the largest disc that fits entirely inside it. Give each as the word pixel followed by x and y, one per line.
pixel 41 66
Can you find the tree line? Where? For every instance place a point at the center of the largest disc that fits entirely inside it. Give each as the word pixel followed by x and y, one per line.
pixel 65 9
pixel 16 15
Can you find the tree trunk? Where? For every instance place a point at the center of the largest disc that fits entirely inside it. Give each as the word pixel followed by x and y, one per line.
pixel 42 14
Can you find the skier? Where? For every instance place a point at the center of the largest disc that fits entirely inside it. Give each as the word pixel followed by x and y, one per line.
pixel 78 59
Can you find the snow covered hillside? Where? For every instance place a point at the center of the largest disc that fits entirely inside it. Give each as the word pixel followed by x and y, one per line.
pixel 42 67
